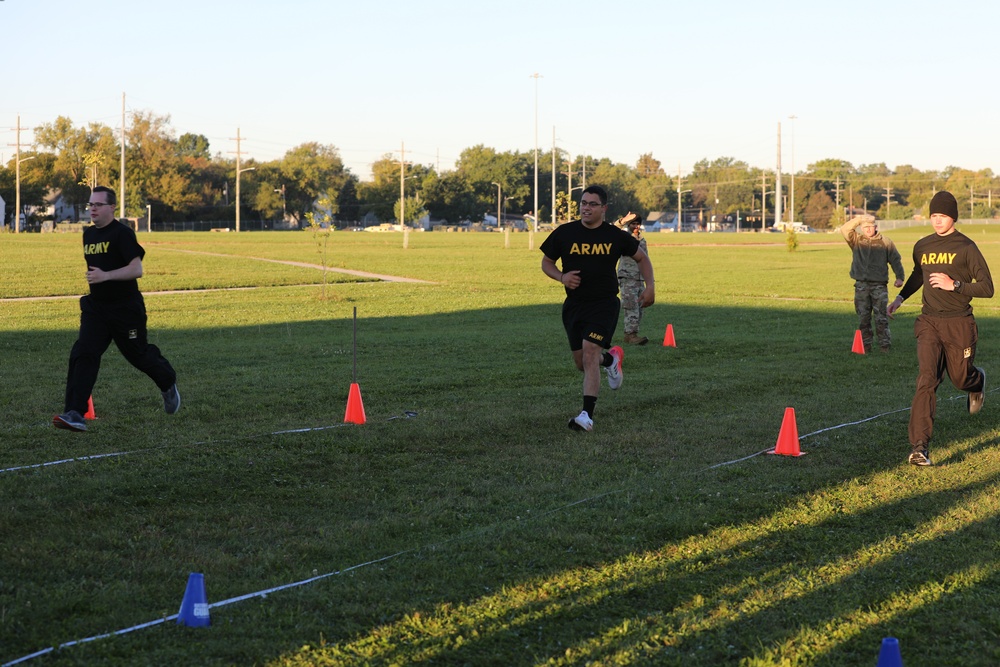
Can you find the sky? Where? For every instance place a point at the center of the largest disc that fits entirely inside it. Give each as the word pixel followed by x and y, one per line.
pixel 879 81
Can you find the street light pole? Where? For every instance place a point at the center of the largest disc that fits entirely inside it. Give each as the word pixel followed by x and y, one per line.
pixel 498 204
pixel 536 76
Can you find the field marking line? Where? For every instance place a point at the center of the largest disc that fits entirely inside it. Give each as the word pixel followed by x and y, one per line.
pixel 305 265
pixel 407 414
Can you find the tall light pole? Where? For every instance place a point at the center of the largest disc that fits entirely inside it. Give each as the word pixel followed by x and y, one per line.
pixel 680 201
pixel 238 172
pixel 791 207
pixel 17 191
pixel 121 201
pixel 536 76
pixel 498 203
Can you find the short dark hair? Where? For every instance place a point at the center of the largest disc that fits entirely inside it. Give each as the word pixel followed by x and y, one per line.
pixel 109 194
pixel 599 191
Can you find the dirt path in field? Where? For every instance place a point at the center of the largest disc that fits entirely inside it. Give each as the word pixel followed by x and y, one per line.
pixel 304 265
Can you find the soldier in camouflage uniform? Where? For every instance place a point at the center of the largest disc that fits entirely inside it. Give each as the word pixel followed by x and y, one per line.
pixel 873 253
pixel 630 282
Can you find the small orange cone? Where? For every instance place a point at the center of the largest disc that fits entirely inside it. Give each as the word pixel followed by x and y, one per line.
pixel 355 408
pixel 668 337
pixel 859 345
pixel 788 437
pixel 90 409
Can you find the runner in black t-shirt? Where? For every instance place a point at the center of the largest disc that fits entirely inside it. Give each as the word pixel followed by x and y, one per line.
pixel 114 310
pixel 588 250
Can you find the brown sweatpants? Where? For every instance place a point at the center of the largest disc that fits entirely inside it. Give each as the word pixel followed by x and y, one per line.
pixel 943 344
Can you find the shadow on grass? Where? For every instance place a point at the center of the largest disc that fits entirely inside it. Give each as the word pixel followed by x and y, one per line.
pixel 209 490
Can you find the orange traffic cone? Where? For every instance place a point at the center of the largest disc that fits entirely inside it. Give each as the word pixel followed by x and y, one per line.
pixel 859 345
pixel 90 409
pixel 788 437
pixel 355 408
pixel 668 337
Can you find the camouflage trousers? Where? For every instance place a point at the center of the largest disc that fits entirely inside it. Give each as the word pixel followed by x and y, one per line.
pixel 631 289
pixel 872 299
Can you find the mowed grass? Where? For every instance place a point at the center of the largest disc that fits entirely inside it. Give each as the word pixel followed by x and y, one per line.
pixel 482 531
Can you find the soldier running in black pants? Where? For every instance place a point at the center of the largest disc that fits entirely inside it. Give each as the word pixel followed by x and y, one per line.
pixel 113 311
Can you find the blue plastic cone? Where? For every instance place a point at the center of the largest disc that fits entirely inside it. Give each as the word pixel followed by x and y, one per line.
pixel 194 606
pixel 888 655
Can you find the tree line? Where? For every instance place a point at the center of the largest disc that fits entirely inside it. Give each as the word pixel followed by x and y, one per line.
pixel 183 181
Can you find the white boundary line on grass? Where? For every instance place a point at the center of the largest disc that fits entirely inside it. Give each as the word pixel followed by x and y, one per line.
pixel 407 415
pixel 822 430
pixel 264 593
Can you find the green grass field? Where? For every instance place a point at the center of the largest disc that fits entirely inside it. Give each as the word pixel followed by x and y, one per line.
pixel 482 531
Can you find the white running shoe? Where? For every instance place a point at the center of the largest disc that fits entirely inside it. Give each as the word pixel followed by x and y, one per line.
pixel 582 422
pixel 615 373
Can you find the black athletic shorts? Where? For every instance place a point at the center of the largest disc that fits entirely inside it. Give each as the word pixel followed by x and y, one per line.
pixel 591 320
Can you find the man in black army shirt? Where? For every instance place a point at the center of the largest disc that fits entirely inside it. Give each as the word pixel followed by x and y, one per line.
pixel 113 311
pixel 589 249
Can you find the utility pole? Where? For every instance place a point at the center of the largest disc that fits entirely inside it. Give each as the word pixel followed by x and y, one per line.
pixel 888 200
pixel 680 206
pixel 121 207
pixel 777 183
pixel 402 177
pixel 763 200
pixel 402 187
pixel 837 183
pixel 569 189
pixel 239 154
pixel 553 176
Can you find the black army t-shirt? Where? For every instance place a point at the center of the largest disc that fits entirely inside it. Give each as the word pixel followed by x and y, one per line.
pixel 110 248
pixel 592 252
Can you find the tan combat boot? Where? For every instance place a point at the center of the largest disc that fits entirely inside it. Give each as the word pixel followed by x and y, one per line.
pixel 635 339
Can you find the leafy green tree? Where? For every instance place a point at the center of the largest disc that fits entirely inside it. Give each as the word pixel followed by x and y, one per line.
pixel 620 181
pixel 379 195
pixel 480 167
pixel 566 208
pixel 450 197
pixel 819 210
pixel 415 211
pixel 311 171
pixel 193 146
pixel 155 173
pixel 36 174
pixel 648 167
pixel 725 179
pixel 84 157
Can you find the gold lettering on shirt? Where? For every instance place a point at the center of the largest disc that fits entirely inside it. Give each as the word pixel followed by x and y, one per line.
pixel 96 248
pixel 938 257
pixel 590 249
